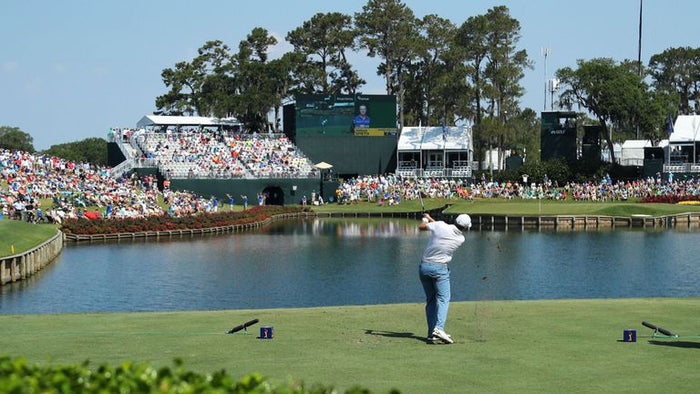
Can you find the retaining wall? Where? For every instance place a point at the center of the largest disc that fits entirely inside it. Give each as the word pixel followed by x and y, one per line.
pixel 485 222
pixel 235 228
pixel 24 265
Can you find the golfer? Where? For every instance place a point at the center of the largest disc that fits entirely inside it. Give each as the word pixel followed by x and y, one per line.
pixel 435 274
pixel 361 120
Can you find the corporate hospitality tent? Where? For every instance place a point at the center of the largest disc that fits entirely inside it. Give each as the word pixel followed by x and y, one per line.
pixel 434 149
pixel 633 152
pixel 683 142
pixel 179 121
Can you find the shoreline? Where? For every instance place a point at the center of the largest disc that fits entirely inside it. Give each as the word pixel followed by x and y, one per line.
pixel 20 266
pixel 480 221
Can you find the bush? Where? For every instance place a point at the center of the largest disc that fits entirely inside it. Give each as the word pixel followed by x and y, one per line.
pixel 669 199
pixel 18 376
pixel 85 226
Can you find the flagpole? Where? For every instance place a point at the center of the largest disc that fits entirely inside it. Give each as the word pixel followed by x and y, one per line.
pixel 639 47
pixel 695 134
pixel 420 148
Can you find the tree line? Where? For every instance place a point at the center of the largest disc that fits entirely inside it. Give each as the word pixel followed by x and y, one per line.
pixel 440 72
pixel 89 150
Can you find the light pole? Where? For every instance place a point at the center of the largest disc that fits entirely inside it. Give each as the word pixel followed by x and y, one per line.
pixel 545 52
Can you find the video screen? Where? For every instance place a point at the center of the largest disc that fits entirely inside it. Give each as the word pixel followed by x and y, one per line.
pixel 363 115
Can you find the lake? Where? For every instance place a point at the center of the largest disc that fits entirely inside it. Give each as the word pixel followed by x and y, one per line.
pixel 326 262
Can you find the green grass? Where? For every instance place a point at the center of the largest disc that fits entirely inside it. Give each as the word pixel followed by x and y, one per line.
pixel 404 206
pixel 537 208
pixel 22 235
pixel 518 207
pixel 501 346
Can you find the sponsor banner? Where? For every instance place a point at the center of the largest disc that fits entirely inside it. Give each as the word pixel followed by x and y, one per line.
pixel 373 132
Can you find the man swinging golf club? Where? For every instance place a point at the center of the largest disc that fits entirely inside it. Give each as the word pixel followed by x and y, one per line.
pixel 435 274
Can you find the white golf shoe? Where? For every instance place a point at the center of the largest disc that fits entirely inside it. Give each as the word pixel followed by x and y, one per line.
pixel 442 335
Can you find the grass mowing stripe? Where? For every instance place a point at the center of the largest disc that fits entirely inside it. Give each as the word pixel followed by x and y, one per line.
pixel 119 333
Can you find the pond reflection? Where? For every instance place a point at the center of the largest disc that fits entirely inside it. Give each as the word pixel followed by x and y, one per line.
pixel 320 262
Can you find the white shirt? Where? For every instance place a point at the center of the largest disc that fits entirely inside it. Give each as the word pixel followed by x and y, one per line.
pixel 445 239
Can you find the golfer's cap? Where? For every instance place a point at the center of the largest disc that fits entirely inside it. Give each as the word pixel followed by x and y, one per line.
pixel 464 221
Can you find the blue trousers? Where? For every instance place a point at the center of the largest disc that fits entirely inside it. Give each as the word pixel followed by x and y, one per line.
pixel 435 278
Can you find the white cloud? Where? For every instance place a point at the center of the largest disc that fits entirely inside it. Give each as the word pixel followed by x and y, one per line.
pixel 10 66
pixel 281 47
pixel 59 68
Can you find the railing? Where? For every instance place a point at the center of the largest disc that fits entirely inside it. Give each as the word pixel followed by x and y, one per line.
pixel 685 167
pixel 462 172
pixel 632 162
pixel 122 168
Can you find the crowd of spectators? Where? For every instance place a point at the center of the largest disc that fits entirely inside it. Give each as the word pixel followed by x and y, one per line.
pixel 194 153
pixel 391 189
pixel 27 179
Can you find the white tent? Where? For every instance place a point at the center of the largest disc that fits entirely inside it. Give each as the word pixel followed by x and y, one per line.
pixel 165 120
pixel 410 139
pixel 434 138
pixel 632 152
pixel 685 129
pixel 437 149
pixel 683 141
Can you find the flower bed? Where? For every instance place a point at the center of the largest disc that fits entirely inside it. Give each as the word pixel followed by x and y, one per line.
pixel 84 226
pixel 670 199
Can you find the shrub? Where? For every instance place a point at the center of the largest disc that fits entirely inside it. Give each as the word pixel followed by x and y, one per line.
pixel 18 376
pixel 671 199
pixel 84 226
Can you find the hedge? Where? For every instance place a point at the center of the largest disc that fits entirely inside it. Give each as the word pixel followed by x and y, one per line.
pixel 669 199
pixel 18 376
pixel 84 226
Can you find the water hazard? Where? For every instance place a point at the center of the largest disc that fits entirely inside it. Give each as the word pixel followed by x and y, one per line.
pixel 324 262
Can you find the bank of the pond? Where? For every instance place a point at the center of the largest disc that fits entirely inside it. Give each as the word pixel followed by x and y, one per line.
pixel 22 265
pixel 501 346
pixel 169 234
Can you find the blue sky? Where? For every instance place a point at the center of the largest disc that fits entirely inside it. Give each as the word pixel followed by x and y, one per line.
pixel 71 69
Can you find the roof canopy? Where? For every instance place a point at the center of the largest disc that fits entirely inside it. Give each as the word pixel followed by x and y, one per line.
pixel 685 129
pixel 633 150
pixel 163 120
pixel 635 144
pixel 434 138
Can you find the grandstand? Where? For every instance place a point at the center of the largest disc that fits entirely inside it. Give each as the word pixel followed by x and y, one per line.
pixel 436 152
pixel 192 152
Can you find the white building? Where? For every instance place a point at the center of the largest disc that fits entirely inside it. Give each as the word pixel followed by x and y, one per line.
pixel 435 152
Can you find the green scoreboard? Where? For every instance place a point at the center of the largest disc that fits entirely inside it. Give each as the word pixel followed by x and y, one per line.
pixel 558 135
pixel 357 134
pixel 364 115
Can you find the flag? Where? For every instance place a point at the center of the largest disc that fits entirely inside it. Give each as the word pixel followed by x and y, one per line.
pixel 670 124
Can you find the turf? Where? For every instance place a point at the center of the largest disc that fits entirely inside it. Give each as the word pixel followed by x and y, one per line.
pixel 404 206
pixel 538 208
pixel 501 346
pixel 519 207
pixel 22 235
